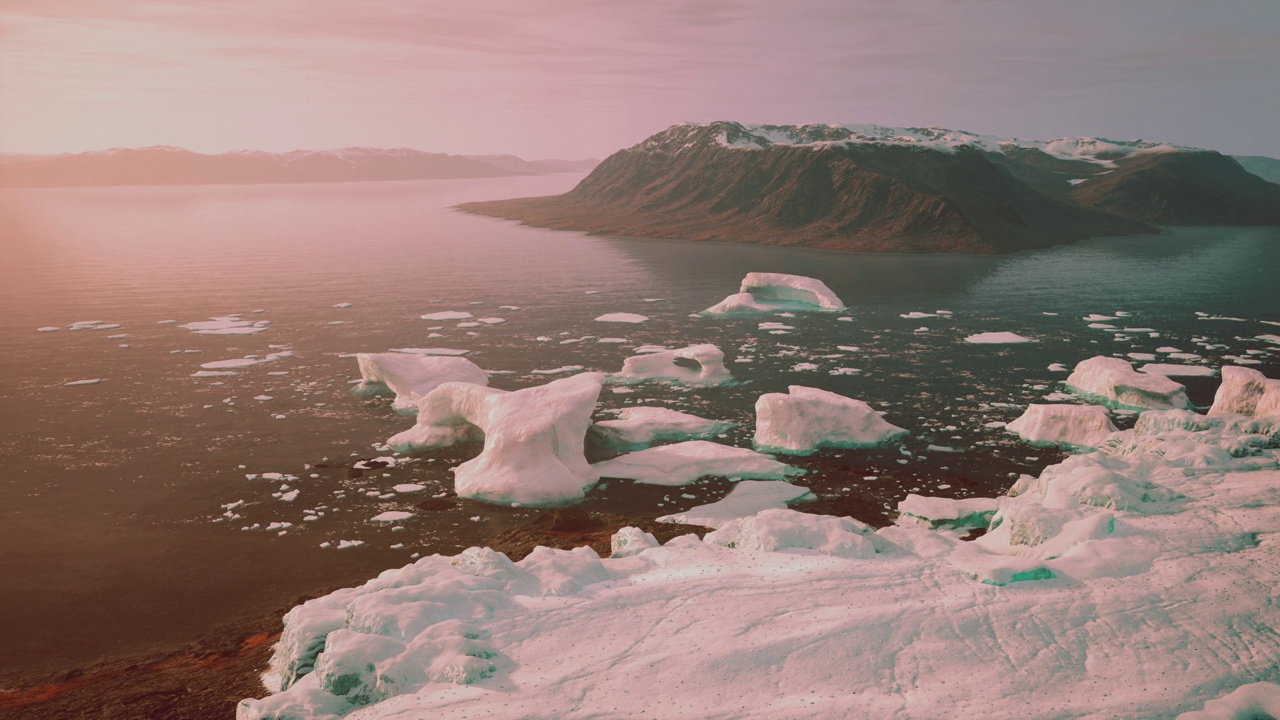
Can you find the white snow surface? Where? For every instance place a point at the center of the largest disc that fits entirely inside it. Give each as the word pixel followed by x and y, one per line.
pixel 997 338
pixel 1116 382
pixel 411 377
pixel 745 499
pixel 762 293
pixel 1245 391
pixel 641 426
pixel 703 365
pixel 533 438
pixel 1137 581
pixel 805 419
pixel 682 463
pixel 1078 426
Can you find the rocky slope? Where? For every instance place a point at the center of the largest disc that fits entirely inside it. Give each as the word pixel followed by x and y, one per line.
pixel 865 187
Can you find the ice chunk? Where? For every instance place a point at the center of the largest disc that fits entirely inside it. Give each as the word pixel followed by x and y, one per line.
pixel 1178 370
pixel 1116 382
pixel 695 365
pixel 997 338
pixel 448 315
pixel 630 541
pixel 405 488
pixel 640 427
pixel 411 377
pixel 533 438
pixel 1081 426
pixel 429 351
pixel 767 292
pixel 48 328
pixel 682 463
pixel 226 325
pixel 1245 391
pixel 90 381
pixel 621 317
pixel 788 530
pixel 747 498
pixel 391 516
pixel 807 418
pixel 937 512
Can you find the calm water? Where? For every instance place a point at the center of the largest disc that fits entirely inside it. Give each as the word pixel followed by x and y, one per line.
pixel 112 535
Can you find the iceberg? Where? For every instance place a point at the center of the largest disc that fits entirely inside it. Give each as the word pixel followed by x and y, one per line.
pixel 411 377
pixel 533 438
pixel 640 427
pixel 1079 426
pixel 746 498
pixel 1245 391
pixel 806 419
pixel 682 463
pixel 693 365
pixel 1115 382
pixel 762 293
pixel 949 513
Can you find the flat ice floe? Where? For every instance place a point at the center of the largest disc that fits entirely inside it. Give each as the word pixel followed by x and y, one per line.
pixel 684 462
pixel 997 338
pixel 411 377
pixel 1114 381
pixel 622 317
pixel 694 365
pixel 227 325
pixel 1079 426
pixel 747 498
pixel 448 315
pixel 1178 370
pixel 533 438
pixel 1137 581
pixel 640 427
pixel 805 419
pixel 429 351
pixel 245 362
pixel 762 293
pixel 90 381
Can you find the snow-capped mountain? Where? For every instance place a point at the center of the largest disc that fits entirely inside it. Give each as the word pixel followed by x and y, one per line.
pixel 867 187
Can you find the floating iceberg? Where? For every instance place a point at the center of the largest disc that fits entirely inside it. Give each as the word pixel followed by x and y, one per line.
pixel 769 292
pixel 1080 426
pixel 533 438
pixel 411 377
pixel 694 365
pixel 640 427
pixel 747 498
pixel 1246 392
pixel 682 463
pixel 807 418
pixel 1116 382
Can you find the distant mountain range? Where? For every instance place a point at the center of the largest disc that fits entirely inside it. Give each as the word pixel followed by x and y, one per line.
pixel 867 187
pixel 176 166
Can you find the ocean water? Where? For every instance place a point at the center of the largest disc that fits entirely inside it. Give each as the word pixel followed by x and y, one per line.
pixel 114 537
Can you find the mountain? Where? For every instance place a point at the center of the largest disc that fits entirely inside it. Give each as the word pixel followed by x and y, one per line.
pixel 1264 167
pixel 867 187
pixel 176 166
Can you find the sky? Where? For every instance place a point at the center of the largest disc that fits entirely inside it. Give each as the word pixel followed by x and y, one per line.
pixel 579 78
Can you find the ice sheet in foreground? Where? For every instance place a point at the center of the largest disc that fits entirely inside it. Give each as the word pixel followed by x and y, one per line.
pixel 1078 426
pixel 411 377
pixel 533 438
pixel 1137 581
pixel 693 365
pixel 682 463
pixel 640 427
pixel 746 498
pixel 762 293
pixel 1115 382
pixel 805 419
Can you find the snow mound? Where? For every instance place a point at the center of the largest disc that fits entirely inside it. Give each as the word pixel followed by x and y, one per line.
pixel 640 427
pixel 795 532
pixel 768 292
pixel 1081 426
pixel 533 438
pixel 807 418
pixel 411 377
pixel 997 338
pixel 1245 391
pixel 630 541
pixel 747 498
pixel 1116 382
pixel 682 463
pixel 693 365
pixel 937 512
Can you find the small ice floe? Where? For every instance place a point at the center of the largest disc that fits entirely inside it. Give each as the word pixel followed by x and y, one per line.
pixel 622 317
pixel 1178 370
pixel 490 321
pixel 48 328
pixel 344 305
pixel 226 325
pixel 391 516
pixel 558 371
pixel 682 463
pixel 214 373
pixel 640 427
pixel 244 362
pixel 997 338
pixel 91 381
pixel 916 315
pixel 747 498
pixel 347 544
pixel 695 365
pixel 405 488
pixel 448 315
pixel 429 351
pixel 775 326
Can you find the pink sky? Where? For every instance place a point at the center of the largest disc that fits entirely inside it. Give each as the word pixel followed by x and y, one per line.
pixel 573 78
